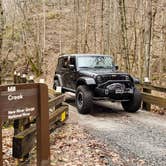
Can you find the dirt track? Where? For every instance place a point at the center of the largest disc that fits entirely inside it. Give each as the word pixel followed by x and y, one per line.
pixel 140 138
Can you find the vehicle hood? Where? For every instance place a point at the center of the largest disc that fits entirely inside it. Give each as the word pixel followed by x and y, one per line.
pixel 93 73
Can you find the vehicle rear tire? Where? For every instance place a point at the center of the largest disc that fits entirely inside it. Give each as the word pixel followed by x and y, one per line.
pixel 134 104
pixel 84 99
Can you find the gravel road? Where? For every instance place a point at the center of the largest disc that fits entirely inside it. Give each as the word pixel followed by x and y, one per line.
pixel 139 138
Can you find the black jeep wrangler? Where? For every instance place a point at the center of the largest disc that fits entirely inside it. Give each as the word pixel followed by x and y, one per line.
pixel 96 77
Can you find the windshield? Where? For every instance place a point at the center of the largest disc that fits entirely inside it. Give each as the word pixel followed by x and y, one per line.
pixel 95 62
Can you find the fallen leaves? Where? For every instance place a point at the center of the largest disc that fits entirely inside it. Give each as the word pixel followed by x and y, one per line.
pixel 7 135
pixel 73 146
pixel 70 145
pixel 158 110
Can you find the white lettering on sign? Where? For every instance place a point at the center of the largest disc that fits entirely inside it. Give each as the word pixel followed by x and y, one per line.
pixel 11 97
pixel 20 113
pixel 11 112
pixel 30 109
pixel 11 89
pixel 15 116
pixel 19 110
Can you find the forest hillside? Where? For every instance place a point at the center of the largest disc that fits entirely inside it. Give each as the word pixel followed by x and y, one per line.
pixel 35 32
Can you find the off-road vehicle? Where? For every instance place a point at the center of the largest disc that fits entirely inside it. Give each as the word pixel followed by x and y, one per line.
pixel 96 77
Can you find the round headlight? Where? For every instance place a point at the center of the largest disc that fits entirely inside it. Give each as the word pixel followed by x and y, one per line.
pixel 99 79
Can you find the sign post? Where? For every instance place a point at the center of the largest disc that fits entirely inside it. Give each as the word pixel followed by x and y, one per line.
pixel 24 100
pixel 1 154
pixel 43 150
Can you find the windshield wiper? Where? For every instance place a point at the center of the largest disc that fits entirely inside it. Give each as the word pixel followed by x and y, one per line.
pixel 85 67
pixel 102 67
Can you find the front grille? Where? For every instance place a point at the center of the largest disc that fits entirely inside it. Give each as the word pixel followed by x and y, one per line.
pixel 114 77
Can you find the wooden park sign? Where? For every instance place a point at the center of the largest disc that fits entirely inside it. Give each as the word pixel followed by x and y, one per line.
pixel 23 100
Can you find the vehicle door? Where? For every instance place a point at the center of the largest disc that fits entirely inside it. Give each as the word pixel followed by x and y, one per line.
pixel 72 72
pixel 63 70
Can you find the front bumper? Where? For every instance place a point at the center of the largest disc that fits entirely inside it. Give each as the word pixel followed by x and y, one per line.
pixel 114 95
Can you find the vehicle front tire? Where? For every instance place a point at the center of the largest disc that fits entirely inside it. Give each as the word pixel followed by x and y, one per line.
pixel 84 99
pixel 134 104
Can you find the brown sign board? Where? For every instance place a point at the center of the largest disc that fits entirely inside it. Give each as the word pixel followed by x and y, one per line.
pixel 23 100
pixel 18 101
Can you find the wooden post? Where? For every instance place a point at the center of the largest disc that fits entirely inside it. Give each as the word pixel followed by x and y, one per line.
pixel 15 77
pixel 43 147
pixel 146 106
pixel 23 78
pixel 21 124
pixel 18 78
pixel 0 75
pixel 1 154
pixel 18 123
pixel 31 79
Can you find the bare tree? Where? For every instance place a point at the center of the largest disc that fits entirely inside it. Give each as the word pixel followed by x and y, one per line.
pixel 1 31
pixel 124 34
pixel 107 27
pixel 102 28
pixel 133 31
pixel 148 36
pixel 60 28
pixel 1 25
pixel 94 26
pixel 76 14
pixel 85 45
pixel 44 26
pixel 163 47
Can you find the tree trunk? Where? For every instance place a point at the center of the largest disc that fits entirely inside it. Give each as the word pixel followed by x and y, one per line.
pixel 1 34
pixel 163 50
pixel 76 14
pixel 44 26
pixel 125 49
pixel 85 46
pixel 102 28
pixel 148 32
pixel 94 26
pixel 1 25
pixel 108 18
pixel 60 29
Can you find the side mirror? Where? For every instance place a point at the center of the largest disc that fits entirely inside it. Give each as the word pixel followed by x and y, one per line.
pixel 71 67
pixel 116 67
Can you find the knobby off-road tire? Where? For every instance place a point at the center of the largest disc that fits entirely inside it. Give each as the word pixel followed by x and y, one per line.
pixel 84 99
pixel 134 104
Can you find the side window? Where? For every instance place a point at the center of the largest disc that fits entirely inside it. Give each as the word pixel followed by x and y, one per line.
pixel 65 62
pixel 72 61
pixel 62 63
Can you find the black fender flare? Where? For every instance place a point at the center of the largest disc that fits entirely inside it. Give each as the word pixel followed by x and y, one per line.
pixel 58 77
pixel 86 81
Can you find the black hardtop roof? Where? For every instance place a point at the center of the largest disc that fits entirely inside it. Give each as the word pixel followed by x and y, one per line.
pixel 66 55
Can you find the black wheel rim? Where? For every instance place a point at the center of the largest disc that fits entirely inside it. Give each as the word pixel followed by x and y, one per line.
pixel 80 99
